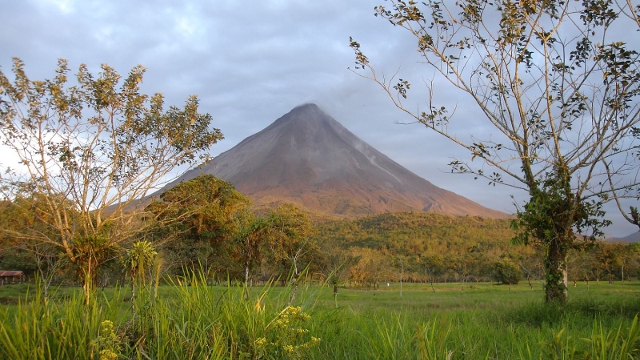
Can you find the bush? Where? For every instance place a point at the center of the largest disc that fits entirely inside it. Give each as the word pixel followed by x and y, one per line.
pixel 506 272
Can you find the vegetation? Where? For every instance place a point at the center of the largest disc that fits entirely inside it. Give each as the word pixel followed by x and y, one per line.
pixel 362 253
pixel 412 285
pixel 192 320
pixel 205 222
pixel 427 247
pixel 136 259
pixel 85 153
pixel 194 222
pixel 558 84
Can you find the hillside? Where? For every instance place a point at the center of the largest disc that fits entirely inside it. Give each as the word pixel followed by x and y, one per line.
pixel 306 157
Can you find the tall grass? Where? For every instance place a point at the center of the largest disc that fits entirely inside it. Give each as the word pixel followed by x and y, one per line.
pixel 192 320
pixel 53 330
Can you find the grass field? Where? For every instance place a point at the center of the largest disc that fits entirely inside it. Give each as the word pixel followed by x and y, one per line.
pixel 197 321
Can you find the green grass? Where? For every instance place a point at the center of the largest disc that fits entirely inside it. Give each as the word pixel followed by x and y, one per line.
pixel 196 321
pixel 486 321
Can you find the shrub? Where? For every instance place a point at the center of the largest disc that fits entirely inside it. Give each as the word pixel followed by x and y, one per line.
pixel 506 272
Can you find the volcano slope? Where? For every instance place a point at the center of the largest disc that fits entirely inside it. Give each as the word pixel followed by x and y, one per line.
pixel 306 157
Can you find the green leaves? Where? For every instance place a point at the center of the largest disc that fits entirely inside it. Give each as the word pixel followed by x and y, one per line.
pixel 203 208
pixel 597 12
pixel 139 257
pixel 402 87
pixel 506 272
pixel 96 145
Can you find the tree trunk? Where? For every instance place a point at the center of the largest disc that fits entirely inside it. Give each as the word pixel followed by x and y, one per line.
pixel 133 293
pixel 292 296
pixel 245 290
pixel 294 282
pixel 246 274
pixel 556 277
pixel 89 272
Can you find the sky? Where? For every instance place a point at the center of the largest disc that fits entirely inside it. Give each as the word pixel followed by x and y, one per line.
pixel 251 62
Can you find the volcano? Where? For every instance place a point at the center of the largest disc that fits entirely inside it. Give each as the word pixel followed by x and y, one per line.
pixel 308 158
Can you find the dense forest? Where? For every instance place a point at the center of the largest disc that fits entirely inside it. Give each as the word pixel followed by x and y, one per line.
pixel 428 247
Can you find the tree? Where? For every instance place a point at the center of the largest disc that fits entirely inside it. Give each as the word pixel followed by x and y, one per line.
pixel 463 265
pixel 289 242
pixel 371 267
pixel 506 272
pixel 583 265
pixel 198 220
pixel 22 220
pixel 434 265
pixel 250 240
pixel 559 87
pixel 615 258
pixel 138 258
pixel 337 265
pixel 96 146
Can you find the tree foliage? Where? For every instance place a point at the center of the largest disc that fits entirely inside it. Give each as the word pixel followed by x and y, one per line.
pixel 279 241
pixel 93 144
pixel 438 248
pixel 506 272
pixel 136 260
pixel 558 84
pixel 432 247
pixel 197 221
pixel 205 221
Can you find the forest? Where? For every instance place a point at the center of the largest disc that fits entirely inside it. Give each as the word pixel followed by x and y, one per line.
pixel 428 247
pixel 205 224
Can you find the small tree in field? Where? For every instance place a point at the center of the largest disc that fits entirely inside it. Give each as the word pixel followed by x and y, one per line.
pixel 288 242
pixel 136 260
pixel 506 272
pixel 87 151
pixel 559 86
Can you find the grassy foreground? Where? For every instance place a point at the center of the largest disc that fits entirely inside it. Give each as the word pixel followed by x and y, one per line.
pixel 191 320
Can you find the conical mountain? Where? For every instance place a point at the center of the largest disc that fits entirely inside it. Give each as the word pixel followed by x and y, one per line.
pixel 308 158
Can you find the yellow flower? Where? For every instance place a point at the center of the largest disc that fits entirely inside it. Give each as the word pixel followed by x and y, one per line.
pixel 108 355
pixel 288 348
pixel 261 341
pixel 107 326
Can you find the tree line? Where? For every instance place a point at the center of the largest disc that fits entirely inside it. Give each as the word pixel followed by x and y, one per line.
pixel 429 247
pixel 205 224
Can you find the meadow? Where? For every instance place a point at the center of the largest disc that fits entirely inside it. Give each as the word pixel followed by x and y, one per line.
pixel 190 319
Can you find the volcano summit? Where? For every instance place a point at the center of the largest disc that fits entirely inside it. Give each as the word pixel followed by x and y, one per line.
pixel 306 157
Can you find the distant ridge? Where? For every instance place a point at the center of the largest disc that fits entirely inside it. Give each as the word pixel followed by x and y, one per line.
pixel 631 238
pixel 308 158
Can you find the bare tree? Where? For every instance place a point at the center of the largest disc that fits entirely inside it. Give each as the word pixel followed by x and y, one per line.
pixel 87 151
pixel 558 85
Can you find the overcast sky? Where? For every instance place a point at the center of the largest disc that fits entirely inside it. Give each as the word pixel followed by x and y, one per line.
pixel 250 62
